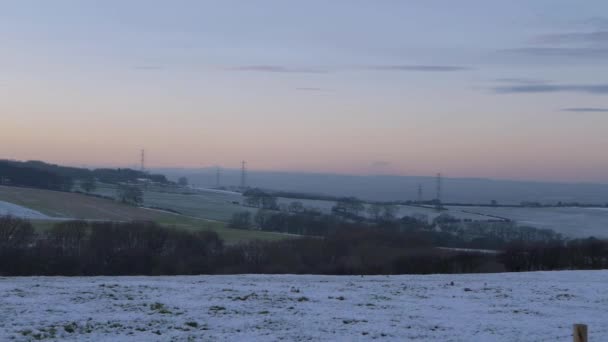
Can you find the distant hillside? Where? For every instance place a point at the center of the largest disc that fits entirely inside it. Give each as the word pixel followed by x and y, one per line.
pixel 17 174
pixel 76 206
pixel 390 188
pixel 15 200
pixel 38 174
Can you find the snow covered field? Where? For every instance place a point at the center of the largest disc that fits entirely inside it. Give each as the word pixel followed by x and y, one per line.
pixel 570 221
pixel 492 307
pixel 19 211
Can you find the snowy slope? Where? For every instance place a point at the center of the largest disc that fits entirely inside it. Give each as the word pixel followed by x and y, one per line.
pixel 572 222
pixel 498 307
pixel 19 211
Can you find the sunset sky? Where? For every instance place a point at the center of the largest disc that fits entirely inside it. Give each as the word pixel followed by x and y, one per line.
pixel 498 89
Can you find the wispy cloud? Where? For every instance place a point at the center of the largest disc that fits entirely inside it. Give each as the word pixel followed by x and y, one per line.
pixel 597 37
pixel 277 69
pixel 597 22
pixel 585 110
pixel 561 52
pixel 585 46
pixel 148 67
pixel 309 89
pixel 422 68
pixel 552 88
pixel 379 67
pixel 519 80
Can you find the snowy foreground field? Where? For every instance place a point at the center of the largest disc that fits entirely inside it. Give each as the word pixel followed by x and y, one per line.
pixel 498 307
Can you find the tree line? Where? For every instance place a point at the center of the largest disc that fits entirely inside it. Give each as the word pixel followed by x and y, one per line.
pixel 104 248
pixel 42 175
pixel 580 254
pixel 11 174
pixel 144 248
pixel 444 230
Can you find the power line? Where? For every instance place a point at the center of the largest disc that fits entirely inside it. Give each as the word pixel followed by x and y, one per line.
pixel 438 204
pixel 217 177
pixel 419 193
pixel 143 160
pixel 243 174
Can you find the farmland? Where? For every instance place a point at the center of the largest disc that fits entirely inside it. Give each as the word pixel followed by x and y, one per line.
pixel 75 206
pixel 19 211
pixel 209 205
pixel 477 307
pixel 569 221
pixel 206 204
pixel 572 222
pixel 205 207
pixel 65 205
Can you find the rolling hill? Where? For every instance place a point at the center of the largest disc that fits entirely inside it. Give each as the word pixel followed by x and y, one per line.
pixel 67 205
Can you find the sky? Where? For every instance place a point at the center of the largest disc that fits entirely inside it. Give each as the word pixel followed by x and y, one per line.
pixel 500 89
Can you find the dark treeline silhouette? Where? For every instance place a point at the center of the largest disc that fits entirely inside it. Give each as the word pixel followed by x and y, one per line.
pixel 143 248
pixel 354 252
pixel 83 248
pixel 11 174
pixel 444 231
pixel 42 175
pixel 114 176
pixel 581 254
pixel 302 223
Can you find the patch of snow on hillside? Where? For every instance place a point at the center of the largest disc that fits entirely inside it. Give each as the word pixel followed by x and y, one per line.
pixel 19 211
pixel 572 222
pixel 539 306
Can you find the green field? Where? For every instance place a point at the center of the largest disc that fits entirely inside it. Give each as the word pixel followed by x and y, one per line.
pixel 73 205
pixel 229 235
pixel 77 206
pixel 201 204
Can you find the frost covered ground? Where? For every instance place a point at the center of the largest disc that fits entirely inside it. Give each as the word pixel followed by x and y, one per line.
pixel 570 221
pixel 498 307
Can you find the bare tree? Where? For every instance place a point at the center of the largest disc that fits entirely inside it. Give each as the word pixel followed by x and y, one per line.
pixel 130 194
pixel 182 181
pixel 15 232
pixel 295 207
pixel 88 185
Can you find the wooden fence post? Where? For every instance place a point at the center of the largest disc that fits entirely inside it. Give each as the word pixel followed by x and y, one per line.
pixel 579 332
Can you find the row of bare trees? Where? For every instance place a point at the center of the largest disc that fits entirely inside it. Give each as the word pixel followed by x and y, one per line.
pixel 98 248
pixel 144 248
pixel 581 254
